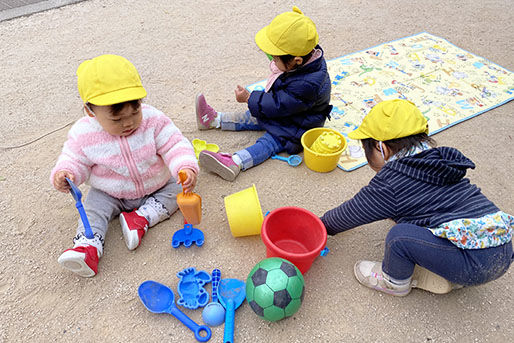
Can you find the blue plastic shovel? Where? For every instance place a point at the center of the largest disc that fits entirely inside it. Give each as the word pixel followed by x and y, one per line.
pixel 231 294
pixel 77 195
pixel 159 298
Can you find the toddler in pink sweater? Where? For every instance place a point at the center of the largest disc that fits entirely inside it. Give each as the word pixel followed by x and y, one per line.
pixel 129 152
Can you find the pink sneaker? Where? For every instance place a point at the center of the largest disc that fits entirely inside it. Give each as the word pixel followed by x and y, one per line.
pixel 205 114
pixel 134 228
pixel 82 260
pixel 219 163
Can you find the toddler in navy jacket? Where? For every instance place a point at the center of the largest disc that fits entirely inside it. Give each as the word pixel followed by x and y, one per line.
pixel 296 97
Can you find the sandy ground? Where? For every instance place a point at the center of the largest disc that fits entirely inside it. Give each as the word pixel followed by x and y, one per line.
pixel 181 48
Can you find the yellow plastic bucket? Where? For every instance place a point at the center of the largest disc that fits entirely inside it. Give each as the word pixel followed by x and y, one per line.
pixel 244 212
pixel 321 162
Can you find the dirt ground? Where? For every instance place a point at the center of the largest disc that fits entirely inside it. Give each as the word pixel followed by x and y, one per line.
pixel 180 48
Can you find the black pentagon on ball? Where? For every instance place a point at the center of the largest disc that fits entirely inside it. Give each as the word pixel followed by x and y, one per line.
pixel 288 269
pixel 281 298
pixel 259 277
pixel 257 308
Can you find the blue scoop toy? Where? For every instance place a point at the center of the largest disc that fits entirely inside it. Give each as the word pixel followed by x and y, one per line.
pixel 77 195
pixel 159 298
pixel 231 293
pixel 293 160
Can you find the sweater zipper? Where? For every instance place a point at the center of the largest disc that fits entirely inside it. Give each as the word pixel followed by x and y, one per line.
pixel 134 173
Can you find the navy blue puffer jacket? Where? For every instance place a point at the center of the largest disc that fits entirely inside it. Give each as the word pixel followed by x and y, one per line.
pixel 297 101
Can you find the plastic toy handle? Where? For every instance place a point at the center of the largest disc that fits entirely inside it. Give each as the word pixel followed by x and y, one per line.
pixel 77 195
pixel 188 228
pixel 197 329
pixel 216 277
pixel 277 157
pixel 228 334
pixel 85 221
pixel 182 176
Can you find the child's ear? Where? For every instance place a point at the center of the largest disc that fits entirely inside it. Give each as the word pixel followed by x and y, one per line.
pixel 298 60
pixel 88 111
pixel 387 151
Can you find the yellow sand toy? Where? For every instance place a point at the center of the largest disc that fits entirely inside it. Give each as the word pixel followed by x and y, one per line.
pixel 322 148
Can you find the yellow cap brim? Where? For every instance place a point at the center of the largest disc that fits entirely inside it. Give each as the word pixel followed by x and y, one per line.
pixel 358 134
pixel 263 42
pixel 118 96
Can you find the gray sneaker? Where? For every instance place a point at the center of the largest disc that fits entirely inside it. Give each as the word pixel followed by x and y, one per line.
pixel 369 273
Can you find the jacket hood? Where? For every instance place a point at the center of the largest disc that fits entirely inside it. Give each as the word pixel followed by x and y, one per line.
pixel 440 166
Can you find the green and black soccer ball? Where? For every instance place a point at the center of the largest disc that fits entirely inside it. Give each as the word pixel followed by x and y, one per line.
pixel 275 288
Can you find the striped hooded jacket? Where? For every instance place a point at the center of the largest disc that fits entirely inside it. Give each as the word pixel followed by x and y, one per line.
pixel 426 189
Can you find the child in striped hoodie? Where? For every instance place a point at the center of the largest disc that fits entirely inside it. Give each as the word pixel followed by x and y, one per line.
pixel 447 233
pixel 129 152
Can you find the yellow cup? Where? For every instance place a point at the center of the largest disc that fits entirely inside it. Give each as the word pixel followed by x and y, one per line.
pixel 322 161
pixel 244 212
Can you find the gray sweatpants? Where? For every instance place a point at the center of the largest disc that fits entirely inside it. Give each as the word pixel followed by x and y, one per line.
pixel 101 208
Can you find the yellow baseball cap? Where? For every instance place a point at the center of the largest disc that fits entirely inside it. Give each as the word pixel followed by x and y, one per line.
pixel 109 79
pixel 290 33
pixel 391 119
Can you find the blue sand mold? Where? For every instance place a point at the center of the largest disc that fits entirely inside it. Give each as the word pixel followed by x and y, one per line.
pixel 190 288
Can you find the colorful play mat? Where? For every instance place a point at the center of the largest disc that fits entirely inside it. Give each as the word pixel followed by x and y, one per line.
pixel 448 84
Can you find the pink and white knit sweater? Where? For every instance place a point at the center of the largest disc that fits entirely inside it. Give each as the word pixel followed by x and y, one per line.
pixel 126 167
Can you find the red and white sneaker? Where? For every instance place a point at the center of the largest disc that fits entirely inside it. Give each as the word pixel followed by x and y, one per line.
pixel 134 228
pixel 82 260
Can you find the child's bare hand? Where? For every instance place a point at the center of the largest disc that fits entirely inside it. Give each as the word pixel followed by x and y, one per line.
pixel 242 94
pixel 190 182
pixel 60 182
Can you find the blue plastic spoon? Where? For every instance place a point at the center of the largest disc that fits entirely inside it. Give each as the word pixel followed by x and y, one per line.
pixel 77 195
pixel 231 293
pixel 293 160
pixel 159 298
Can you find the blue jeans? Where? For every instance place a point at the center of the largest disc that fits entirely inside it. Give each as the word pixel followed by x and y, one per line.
pixel 265 147
pixel 408 244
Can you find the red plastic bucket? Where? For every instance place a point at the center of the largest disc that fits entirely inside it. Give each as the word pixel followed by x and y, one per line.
pixel 295 234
